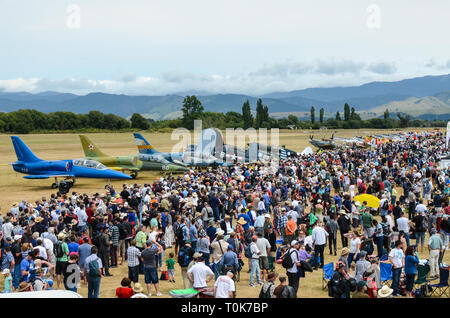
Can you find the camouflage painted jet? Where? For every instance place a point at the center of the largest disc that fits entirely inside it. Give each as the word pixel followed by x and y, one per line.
pixel 133 164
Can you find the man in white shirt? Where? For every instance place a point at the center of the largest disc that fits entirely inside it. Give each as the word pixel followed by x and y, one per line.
pixel 264 246
pixel 259 223
pixel 200 274
pixel 7 228
pixel 420 207
pixel 224 286
pixel 82 217
pixel 48 245
pixel 254 261
pixel 292 273
pixel 42 250
pixel 397 259
pixel 319 237
pixel 403 226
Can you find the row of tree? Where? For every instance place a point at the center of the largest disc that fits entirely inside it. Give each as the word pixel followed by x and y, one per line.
pixel 193 109
pixel 29 120
pixel 25 121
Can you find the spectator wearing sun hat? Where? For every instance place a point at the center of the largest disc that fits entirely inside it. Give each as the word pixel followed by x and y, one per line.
pixel 61 262
pixel 219 247
pixel 138 291
pixel 385 292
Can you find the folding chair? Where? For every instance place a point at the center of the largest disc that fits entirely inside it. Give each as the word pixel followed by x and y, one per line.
pixel 328 270
pixel 442 287
pixel 385 273
pixel 422 274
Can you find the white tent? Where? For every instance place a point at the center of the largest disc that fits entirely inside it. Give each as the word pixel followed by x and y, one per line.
pixel 307 151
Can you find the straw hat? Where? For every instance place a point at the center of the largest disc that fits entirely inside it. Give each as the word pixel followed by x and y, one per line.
pixel 137 288
pixel 23 286
pixel 39 219
pixel 345 251
pixel 385 292
pixel 197 255
pixel 241 221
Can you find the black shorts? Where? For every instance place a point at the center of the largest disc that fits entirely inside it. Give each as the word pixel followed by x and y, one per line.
pixel 60 267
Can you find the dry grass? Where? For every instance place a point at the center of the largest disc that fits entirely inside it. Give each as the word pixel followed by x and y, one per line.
pixel 64 146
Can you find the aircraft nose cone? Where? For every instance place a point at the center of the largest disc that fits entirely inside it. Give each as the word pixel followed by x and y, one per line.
pixel 177 168
pixel 120 175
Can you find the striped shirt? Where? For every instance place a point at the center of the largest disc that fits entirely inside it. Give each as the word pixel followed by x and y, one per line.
pixel 133 256
pixel 282 221
pixel 115 235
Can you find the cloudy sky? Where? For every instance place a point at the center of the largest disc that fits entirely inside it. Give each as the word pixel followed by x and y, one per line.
pixel 155 47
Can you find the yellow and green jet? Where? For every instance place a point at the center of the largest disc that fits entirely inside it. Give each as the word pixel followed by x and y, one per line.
pixel 131 164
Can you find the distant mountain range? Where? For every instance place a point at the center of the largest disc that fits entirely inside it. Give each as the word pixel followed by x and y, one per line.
pixel 422 97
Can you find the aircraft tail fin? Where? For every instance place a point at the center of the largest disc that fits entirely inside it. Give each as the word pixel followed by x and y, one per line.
pixel 90 149
pixel 22 151
pixel 143 145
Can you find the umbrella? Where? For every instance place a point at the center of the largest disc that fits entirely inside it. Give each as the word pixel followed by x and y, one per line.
pixel 372 201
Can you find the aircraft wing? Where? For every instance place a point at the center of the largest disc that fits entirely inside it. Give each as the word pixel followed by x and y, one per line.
pixel 49 175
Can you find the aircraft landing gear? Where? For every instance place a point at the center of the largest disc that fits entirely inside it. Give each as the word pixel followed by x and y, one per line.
pixel 134 175
pixel 64 185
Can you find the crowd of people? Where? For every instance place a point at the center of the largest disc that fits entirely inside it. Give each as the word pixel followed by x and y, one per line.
pixel 212 223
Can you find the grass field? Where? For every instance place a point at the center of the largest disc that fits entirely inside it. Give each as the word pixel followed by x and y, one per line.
pixel 67 146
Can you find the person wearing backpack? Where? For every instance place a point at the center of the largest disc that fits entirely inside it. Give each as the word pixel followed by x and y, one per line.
pixel 93 272
pixel 182 233
pixel 61 251
pixel 185 256
pixel 268 288
pixel 421 225
pixel 290 262
pixel 284 290
pixel 207 215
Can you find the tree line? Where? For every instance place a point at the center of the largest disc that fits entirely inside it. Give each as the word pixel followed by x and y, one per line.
pixel 25 121
pixel 193 109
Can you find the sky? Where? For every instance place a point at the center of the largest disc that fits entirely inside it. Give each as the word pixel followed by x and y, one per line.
pixel 158 47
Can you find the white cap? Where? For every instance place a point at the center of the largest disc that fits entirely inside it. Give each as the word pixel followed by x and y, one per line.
pixel 5 271
pixel 17 237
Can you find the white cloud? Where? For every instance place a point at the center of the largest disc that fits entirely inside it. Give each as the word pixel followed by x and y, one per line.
pixel 382 67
